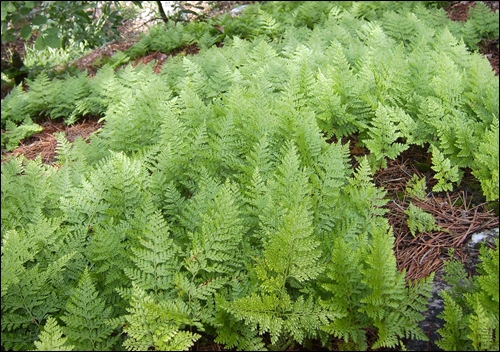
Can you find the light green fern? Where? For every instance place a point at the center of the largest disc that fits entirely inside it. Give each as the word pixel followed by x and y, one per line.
pixel 419 220
pixel 157 325
pixel 85 318
pixel 446 174
pixel 51 338
pixel 471 315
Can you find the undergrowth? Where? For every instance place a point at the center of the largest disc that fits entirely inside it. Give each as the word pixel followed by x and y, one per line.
pixel 210 203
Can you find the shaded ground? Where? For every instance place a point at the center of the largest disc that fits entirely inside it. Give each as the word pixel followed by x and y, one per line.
pixel 460 213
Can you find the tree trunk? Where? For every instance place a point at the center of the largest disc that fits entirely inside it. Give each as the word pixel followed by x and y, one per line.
pixel 162 12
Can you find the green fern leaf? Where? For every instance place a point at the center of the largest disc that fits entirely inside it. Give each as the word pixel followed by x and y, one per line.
pixel 51 338
pixel 155 259
pixel 157 325
pixel 445 173
pixel 85 317
pixel 420 221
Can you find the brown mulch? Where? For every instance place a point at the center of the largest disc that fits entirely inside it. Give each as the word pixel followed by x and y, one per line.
pixel 44 143
pixel 87 62
pixel 459 214
pixel 160 57
pixel 459 10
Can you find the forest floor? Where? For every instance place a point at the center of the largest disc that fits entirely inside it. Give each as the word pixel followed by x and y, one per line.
pixel 460 213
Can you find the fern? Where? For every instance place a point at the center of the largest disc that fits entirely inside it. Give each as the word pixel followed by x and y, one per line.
pixel 234 335
pixel 416 188
pixel 327 181
pixel 41 92
pixel 28 195
pixel 420 221
pixel 155 259
pixel 134 118
pixel 51 338
pixel 85 317
pixel 335 107
pixel 387 287
pixel 157 325
pixel 267 25
pixel 290 259
pixel 214 255
pixel 103 89
pixel 218 238
pixel 29 298
pixel 72 90
pixel 112 189
pixel 366 201
pixel 454 331
pixel 106 248
pixel 364 288
pixel 14 106
pixel 401 27
pixel 210 201
pixel 225 147
pixel 14 134
pixel 482 23
pixel 486 170
pixel 383 142
pixel 344 287
pixel 471 313
pixel 17 249
pixel 445 173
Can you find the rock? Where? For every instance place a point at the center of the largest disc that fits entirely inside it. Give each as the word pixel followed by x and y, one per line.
pixel 237 10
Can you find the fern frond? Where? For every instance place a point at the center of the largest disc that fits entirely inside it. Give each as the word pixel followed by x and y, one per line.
pixel 488 275
pixel 85 315
pixel 29 300
pixel 195 78
pixel 106 249
pixel 329 176
pixel 261 52
pixel 419 220
pixel 72 90
pixel 380 275
pixel 157 325
pixel 471 306
pixel 51 338
pixel 344 289
pixel 416 188
pixel 384 135
pixel 481 329
pixel 487 164
pixel 267 25
pixel 400 314
pixel 261 313
pixel 445 172
pixel 155 259
pixel 17 249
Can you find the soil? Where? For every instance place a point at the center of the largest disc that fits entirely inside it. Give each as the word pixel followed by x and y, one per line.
pixel 459 213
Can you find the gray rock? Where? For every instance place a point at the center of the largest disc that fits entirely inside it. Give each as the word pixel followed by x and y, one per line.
pixel 237 10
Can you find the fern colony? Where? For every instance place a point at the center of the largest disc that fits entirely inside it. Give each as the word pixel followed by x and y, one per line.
pixel 210 204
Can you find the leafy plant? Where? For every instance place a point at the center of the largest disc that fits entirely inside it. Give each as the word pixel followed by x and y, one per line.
pixel 51 338
pixel 419 220
pixel 61 25
pixel 86 316
pixel 471 309
pixel 49 20
pixel 210 204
